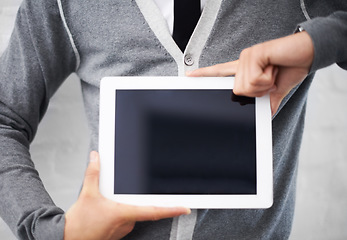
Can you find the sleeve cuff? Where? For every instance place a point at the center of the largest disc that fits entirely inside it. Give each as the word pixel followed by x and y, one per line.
pixel 50 227
pixel 329 35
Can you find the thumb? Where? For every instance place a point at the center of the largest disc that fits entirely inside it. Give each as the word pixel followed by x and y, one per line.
pixel 275 101
pixel 151 213
pixel 91 178
pixel 286 79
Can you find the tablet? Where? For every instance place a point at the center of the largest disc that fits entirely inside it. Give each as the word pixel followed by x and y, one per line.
pixel 180 141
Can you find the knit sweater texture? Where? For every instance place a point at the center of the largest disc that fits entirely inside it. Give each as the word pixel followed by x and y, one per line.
pixel 94 39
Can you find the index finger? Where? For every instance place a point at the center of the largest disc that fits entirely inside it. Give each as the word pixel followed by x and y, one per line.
pixel 218 70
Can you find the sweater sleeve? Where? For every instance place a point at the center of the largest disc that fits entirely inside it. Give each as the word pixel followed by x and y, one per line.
pixel 329 36
pixel 39 57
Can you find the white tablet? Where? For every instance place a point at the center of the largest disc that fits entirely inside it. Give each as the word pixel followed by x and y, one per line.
pixel 179 141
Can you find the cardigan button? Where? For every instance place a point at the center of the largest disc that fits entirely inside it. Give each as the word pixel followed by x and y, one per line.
pixel 188 60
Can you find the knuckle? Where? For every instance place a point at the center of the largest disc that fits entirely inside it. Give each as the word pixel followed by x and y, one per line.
pixel 91 172
pixel 237 92
pixel 251 87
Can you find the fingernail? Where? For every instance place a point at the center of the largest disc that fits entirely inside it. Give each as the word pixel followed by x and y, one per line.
pixel 93 156
pixel 188 211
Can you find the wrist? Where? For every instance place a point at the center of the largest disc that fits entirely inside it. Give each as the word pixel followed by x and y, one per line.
pixel 292 51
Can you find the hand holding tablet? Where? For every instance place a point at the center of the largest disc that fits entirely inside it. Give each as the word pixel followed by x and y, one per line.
pixel 95 217
pixel 178 141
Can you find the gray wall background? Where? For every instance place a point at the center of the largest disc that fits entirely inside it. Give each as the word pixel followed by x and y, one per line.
pixel 60 149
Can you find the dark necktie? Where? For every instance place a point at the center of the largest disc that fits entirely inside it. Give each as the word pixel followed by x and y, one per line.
pixel 186 16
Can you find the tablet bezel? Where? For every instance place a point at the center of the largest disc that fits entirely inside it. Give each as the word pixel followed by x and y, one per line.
pixel 262 199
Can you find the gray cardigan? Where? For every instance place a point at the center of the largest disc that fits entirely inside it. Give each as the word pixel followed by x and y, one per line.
pixel 53 38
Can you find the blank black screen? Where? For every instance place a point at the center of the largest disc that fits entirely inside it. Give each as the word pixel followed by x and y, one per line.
pixel 184 142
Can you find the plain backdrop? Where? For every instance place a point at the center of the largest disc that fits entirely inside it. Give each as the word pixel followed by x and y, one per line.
pixel 60 149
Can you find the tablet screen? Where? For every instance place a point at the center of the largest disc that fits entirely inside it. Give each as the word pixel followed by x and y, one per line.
pixel 180 141
pixel 184 142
